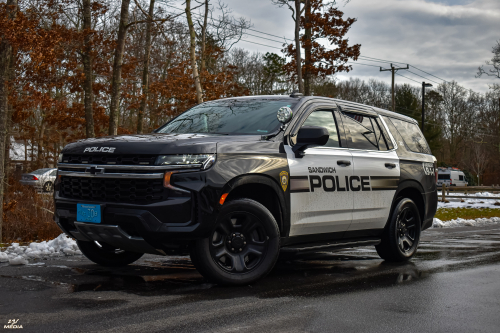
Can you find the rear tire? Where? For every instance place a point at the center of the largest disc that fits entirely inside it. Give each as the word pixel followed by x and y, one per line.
pixel 106 255
pixel 48 187
pixel 401 237
pixel 242 248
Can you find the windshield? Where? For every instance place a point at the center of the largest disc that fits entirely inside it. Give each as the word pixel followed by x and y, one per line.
pixel 241 116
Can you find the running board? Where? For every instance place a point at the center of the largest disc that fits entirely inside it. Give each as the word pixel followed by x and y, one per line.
pixel 303 248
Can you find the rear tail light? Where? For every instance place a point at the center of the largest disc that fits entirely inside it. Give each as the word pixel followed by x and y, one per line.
pixel 34 178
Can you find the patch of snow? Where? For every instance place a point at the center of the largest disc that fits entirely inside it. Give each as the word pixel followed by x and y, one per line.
pixel 470 202
pixel 459 222
pixel 59 247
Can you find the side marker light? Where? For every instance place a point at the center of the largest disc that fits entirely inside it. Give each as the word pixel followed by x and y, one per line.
pixel 223 198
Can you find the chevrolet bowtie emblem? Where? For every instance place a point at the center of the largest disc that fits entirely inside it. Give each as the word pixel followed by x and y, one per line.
pixel 94 170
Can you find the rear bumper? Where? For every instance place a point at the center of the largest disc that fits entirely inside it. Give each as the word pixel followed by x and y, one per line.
pixel 33 183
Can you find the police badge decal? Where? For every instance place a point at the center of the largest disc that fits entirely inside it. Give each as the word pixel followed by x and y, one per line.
pixel 284 179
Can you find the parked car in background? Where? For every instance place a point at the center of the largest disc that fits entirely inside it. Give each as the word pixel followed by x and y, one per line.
pixel 451 177
pixel 41 179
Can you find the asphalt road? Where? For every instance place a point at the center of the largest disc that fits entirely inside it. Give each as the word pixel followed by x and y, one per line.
pixel 452 285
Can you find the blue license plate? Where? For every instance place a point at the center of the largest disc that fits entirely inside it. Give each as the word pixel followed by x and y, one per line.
pixel 88 213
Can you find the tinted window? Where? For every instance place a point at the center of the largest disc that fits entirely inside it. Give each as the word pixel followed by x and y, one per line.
pixel 241 116
pixel 460 177
pixel 363 132
pixel 444 176
pixel 412 136
pixel 324 118
pixel 386 135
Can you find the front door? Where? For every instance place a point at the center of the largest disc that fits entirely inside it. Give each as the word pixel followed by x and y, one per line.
pixel 376 165
pixel 319 192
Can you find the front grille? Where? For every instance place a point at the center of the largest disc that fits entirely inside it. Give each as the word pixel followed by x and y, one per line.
pixel 139 191
pixel 138 159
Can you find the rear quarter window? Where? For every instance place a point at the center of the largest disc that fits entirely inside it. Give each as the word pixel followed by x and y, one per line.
pixel 411 134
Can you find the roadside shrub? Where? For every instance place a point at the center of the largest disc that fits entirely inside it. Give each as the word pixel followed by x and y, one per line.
pixel 28 214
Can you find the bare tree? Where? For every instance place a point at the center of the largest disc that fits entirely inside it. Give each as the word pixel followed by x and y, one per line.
pixel 296 14
pixel 145 70
pixel 5 64
pixel 495 63
pixel 478 160
pixel 87 69
pixel 116 80
pixel 192 53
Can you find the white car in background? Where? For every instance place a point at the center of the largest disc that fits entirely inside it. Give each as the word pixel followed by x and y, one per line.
pixel 41 179
pixel 451 177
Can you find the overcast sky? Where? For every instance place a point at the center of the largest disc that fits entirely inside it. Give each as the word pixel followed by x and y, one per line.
pixel 447 38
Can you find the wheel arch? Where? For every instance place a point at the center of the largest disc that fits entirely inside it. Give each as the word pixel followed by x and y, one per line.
pixel 265 190
pixel 413 190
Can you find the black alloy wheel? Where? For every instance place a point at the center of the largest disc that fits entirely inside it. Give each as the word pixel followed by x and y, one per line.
pixel 239 242
pixel 402 233
pixel 242 247
pixel 406 229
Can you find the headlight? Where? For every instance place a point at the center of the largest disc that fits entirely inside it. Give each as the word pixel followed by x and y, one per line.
pixel 59 160
pixel 204 161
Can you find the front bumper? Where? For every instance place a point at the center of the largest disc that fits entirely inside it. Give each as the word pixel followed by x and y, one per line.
pixel 162 227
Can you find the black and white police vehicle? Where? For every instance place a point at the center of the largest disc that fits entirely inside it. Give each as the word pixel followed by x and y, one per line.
pixel 235 181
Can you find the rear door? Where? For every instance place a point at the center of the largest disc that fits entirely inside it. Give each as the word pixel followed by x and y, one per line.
pixel 320 199
pixel 376 171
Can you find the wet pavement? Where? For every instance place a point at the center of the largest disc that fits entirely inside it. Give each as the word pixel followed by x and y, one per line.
pixel 453 284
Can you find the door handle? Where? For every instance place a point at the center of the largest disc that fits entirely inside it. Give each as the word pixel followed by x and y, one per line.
pixel 343 163
pixel 390 165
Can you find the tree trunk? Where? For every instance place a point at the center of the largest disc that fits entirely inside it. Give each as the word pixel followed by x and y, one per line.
pixel 307 49
pixel 192 46
pixel 39 159
pixel 116 83
pixel 5 73
pixel 204 39
pixel 297 46
pixel 145 71
pixel 87 69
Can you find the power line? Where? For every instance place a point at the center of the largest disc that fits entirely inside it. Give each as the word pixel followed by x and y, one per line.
pixel 407 77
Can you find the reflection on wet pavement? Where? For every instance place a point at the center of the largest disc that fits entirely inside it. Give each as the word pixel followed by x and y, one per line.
pixel 307 275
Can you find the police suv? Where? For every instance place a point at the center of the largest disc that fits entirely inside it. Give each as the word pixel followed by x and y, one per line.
pixel 235 181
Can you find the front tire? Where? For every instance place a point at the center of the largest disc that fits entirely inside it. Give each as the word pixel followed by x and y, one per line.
pixel 402 235
pixel 106 255
pixel 242 248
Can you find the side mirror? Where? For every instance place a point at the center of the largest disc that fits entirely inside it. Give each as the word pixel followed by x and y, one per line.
pixel 310 136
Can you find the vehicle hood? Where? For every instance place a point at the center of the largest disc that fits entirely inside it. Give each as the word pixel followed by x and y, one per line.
pixel 157 143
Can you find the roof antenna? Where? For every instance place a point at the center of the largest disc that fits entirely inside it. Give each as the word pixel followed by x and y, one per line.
pixel 295 93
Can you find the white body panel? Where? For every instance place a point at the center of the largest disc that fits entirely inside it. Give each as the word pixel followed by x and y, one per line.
pixel 319 211
pixel 371 209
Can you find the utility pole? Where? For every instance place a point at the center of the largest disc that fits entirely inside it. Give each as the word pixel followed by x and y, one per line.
pixel 393 70
pixel 423 103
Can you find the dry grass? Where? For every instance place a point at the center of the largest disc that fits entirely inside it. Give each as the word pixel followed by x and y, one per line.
pixel 446 214
pixel 28 215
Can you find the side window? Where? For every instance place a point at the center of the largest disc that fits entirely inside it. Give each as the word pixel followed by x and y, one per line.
pixel 53 173
pixel 385 134
pixel 363 132
pixel 460 177
pixel 412 136
pixel 324 118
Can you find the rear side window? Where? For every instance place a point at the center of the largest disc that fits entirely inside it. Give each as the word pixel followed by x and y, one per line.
pixel 444 176
pixel 363 132
pixel 412 136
